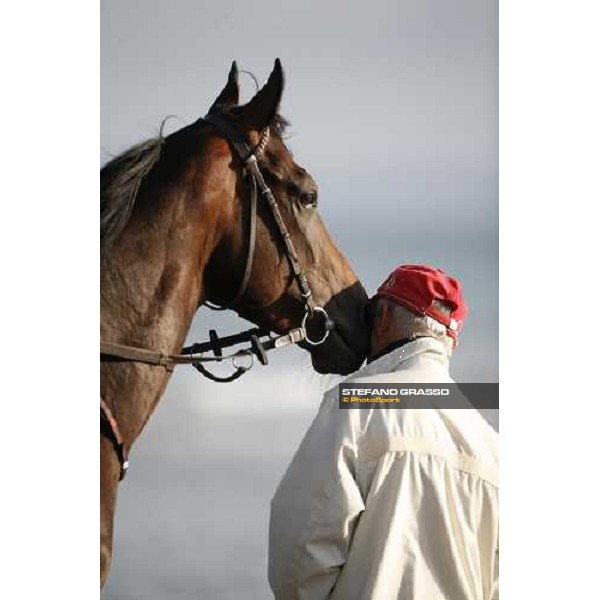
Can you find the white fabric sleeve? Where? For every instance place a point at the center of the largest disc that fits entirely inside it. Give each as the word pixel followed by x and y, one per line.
pixel 316 508
pixel 496 583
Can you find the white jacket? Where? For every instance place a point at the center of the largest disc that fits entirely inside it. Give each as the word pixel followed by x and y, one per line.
pixel 382 504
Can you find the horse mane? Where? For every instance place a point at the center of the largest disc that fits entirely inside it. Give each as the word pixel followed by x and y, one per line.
pixel 120 181
pixel 121 178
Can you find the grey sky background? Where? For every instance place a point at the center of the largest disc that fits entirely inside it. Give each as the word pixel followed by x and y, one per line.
pixel 394 112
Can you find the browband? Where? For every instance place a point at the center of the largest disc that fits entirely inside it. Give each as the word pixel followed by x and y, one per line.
pixel 232 134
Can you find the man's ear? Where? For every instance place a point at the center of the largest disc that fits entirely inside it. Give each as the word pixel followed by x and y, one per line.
pixel 382 320
pixel 230 94
pixel 259 112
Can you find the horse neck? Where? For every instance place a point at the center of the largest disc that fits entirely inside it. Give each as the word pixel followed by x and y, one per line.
pixel 151 285
pixel 151 282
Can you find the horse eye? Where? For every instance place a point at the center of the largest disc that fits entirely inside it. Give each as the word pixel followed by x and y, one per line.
pixel 310 199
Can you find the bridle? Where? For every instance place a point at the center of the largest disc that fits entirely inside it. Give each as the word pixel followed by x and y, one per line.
pixel 195 355
pixel 250 160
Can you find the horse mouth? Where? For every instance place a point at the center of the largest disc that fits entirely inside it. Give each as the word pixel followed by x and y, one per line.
pixel 346 346
pixel 335 355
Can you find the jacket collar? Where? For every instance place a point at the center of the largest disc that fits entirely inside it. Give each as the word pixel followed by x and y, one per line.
pixel 394 360
pixel 389 348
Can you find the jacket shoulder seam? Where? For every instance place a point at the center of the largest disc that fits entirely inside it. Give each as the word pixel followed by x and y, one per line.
pixel 454 458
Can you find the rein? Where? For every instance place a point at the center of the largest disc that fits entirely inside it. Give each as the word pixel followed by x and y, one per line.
pixel 195 355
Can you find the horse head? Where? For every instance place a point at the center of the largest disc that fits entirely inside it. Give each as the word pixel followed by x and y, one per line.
pixel 271 297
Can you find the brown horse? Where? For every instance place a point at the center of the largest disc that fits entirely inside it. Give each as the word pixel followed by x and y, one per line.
pixel 173 235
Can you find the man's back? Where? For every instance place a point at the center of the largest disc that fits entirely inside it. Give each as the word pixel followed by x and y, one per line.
pixel 429 528
pixel 390 503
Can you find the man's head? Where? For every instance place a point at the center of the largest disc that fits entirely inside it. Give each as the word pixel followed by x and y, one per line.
pixel 417 301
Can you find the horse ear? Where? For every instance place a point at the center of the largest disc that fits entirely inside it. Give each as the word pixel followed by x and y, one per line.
pixel 259 112
pixel 230 94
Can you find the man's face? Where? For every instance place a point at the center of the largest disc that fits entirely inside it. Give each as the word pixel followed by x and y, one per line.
pixel 377 315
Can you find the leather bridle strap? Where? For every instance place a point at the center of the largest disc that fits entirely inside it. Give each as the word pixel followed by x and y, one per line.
pixel 249 253
pixel 114 435
pixel 249 158
pixel 292 256
pixel 233 135
pixel 134 354
pixel 123 353
pixel 244 151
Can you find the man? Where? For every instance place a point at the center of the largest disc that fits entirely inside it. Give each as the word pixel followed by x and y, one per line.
pixel 393 503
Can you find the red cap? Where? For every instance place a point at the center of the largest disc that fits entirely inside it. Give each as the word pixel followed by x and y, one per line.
pixel 415 287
